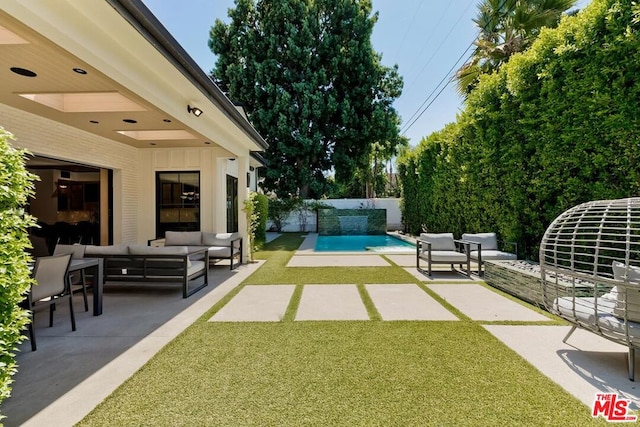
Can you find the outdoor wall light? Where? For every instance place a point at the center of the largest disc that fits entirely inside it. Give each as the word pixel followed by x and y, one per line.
pixel 194 110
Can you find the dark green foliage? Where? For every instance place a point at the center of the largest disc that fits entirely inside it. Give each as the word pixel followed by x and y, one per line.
pixel 279 210
pixel 558 125
pixel 261 208
pixel 312 84
pixel 16 185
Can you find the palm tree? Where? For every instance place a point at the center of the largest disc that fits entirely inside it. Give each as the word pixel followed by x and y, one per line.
pixel 506 27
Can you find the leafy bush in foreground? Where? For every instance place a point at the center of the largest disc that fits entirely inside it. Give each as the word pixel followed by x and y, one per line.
pixel 16 185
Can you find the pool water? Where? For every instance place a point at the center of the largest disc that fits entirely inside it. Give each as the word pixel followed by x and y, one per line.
pixel 375 243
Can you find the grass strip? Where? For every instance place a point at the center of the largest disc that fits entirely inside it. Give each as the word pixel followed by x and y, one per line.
pixel 338 374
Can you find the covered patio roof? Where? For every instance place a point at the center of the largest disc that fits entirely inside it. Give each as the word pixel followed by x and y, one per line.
pixel 111 68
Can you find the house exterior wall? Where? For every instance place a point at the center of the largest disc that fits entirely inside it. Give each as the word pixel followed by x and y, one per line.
pixel 212 170
pixel 134 213
pixel 48 138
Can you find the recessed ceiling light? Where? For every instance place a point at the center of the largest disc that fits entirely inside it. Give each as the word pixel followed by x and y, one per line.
pixel 95 122
pixel 166 120
pixel 23 72
pixel 129 121
pixel 80 71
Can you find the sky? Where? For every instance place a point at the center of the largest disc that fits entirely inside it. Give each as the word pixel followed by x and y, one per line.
pixel 427 39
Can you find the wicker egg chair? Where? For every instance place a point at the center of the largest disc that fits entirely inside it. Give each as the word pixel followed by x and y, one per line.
pixel 590 270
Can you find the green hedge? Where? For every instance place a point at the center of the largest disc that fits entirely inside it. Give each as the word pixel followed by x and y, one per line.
pixel 558 125
pixel 261 207
pixel 16 185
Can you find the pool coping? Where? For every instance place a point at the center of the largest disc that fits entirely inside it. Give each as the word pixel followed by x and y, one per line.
pixel 307 247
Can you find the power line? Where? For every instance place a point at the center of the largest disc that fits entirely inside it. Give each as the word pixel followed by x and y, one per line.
pixel 440 45
pixel 418 113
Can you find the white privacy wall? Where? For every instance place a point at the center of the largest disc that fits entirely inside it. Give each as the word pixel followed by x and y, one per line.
pixel 394 216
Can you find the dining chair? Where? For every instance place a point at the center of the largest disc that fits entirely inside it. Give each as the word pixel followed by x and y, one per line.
pixel 51 274
pixel 75 278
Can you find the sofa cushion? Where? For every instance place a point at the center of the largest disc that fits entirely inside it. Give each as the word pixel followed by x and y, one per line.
pixel 446 256
pixel 76 251
pixel 91 250
pixel 220 252
pixel 493 255
pixel 488 241
pixel 218 239
pixel 195 267
pixel 145 250
pixel 183 238
pixel 439 241
pixel 631 276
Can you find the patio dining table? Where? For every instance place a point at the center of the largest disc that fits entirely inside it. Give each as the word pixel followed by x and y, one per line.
pixel 94 267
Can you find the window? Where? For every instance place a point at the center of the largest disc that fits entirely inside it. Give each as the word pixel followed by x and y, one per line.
pixel 232 204
pixel 177 201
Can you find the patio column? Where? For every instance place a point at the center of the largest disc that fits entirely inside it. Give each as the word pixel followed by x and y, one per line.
pixel 243 193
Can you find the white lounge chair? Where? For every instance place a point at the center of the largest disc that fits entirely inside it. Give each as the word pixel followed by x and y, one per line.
pixel 485 246
pixel 440 248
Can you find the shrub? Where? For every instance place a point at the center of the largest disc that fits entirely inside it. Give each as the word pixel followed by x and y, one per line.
pixel 16 185
pixel 555 127
pixel 261 208
pixel 279 210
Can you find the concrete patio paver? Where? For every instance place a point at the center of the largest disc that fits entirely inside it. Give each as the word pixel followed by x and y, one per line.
pixel 406 302
pixel 443 274
pixel 587 364
pixel 331 302
pixel 403 260
pixel 256 303
pixel 480 303
pixel 338 261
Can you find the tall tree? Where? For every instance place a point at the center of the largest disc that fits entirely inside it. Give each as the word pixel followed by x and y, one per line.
pixel 313 86
pixel 506 27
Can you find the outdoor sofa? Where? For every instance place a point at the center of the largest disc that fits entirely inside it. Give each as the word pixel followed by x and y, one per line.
pixel 442 248
pixel 148 264
pixel 486 246
pixel 219 245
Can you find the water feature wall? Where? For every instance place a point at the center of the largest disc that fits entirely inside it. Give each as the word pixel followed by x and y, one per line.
pixel 337 222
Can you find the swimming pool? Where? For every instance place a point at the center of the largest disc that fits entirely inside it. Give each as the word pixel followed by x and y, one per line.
pixel 374 243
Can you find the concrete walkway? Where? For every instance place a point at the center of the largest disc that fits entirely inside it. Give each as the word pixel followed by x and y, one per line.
pixel 480 303
pixel 406 302
pixel 258 303
pixel 331 302
pixel 265 303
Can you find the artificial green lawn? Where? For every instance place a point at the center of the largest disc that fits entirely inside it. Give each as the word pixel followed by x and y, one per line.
pixel 336 373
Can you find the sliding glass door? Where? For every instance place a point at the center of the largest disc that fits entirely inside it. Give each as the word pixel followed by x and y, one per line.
pixel 232 204
pixel 177 202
